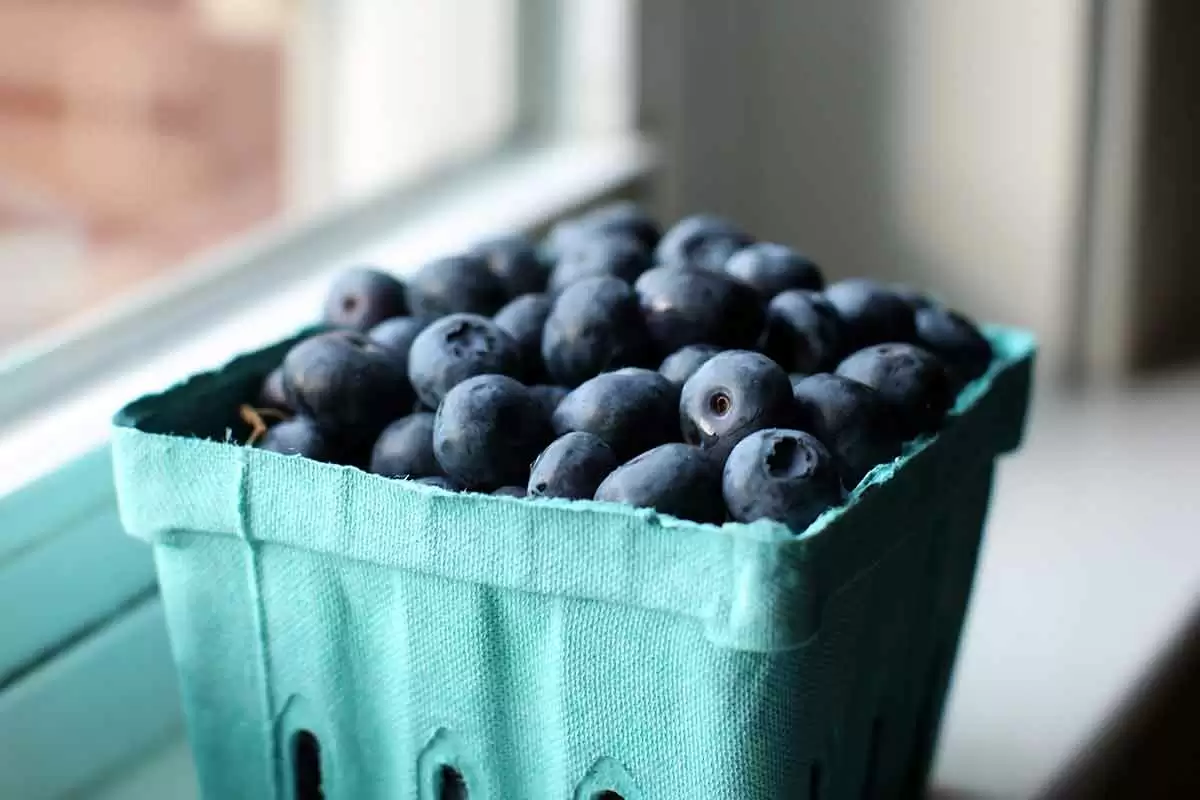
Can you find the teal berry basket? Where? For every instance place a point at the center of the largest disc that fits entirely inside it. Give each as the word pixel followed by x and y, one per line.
pixel 385 639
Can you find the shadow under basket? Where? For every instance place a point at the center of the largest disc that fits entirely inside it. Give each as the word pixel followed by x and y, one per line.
pixel 344 636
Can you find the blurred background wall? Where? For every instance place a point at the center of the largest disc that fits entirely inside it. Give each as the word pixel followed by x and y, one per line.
pixel 1031 159
pixel 133 132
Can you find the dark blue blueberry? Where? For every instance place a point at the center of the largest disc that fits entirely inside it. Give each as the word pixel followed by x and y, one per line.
pixel 595 256
pixel 732 395
pixel 784 475
pixel 349 385
pixel 703 241
pixel 914 297
pixel 623 219
pixel 795 378
pixel 773 268
pixel 487 432
pixel 674 479
pixel 396 335
pixel 872 312
pixel 851 419
pixel 455 284
pixel 453 349
pixel 913 381
pixel 572 466
pixel 523 319
pixel 683 363
pixel 803 332
pixel 510 491
pixel 514 260
pixel 441 482
pixel 548 397
pixel 632 410
pixel 272 393
pixel 955 339
pixel 595 326
pixel 688 306
pixel 363 297
pixel 405 449
pixel 300 436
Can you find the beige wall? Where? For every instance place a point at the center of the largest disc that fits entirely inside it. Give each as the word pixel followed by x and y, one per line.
pixel 938 141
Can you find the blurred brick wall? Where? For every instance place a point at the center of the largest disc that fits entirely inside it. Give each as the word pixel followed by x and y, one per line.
pixel 129 112
pixel 140 131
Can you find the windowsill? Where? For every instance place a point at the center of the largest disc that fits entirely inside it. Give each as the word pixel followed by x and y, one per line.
pixel 166 772
pixel 519 193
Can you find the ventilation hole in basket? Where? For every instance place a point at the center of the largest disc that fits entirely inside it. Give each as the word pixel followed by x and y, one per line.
pixel 607 794
pixel 814 781
pixel 451 785
pixel 871 776
pixel 306 766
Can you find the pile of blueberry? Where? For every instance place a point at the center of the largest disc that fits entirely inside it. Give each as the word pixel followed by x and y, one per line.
pixel 693 371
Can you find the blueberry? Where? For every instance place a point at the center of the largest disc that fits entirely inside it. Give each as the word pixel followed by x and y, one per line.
pixel 272 393
pixel 773 268
pixel 362 298
pixel 487 432
pixel 595 326
pixel 779 474
pixel 732 395
pixel 913 381
pixel 632 410
pixel 348 384
pixel 441 482
pixel 680 365
pixel 548 397
pixel 674 479
pixel 594 256
pixel 955 339
pixel 851 419
pixel 572 466
pixel 623 219
pixel 396 335
pixel 405 449
pixel 872 312
pixel 300 436
pixel 523 319
pixel 514 261
pixel 510 491
pixel 803 332
pixel 795 378
pixel 455 284
pixel 703 241
pixel 456 347
pixel 914 297
pixel 687 306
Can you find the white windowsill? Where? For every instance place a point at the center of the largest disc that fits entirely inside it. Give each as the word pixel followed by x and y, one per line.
pixel 520 194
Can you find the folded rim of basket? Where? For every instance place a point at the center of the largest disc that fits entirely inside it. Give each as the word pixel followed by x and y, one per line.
pixel 756 586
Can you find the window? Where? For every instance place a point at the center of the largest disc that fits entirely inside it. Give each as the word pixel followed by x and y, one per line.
pixel 135 136
pixel 178 178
